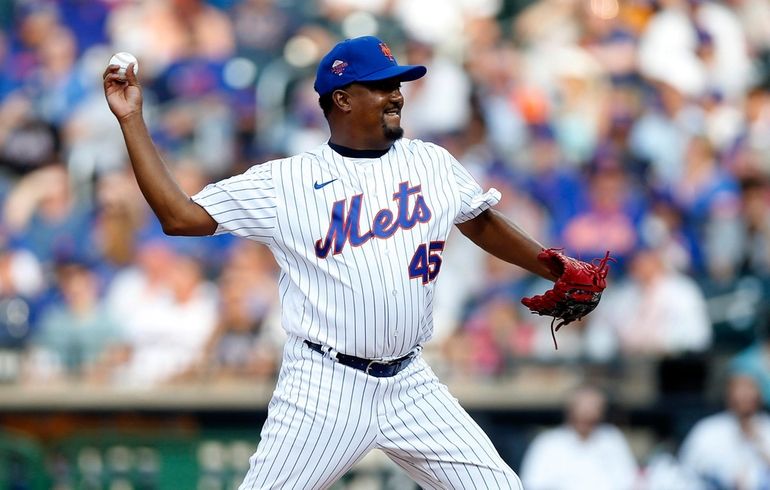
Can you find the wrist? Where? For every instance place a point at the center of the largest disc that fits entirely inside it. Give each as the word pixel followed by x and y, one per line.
pixel 131 118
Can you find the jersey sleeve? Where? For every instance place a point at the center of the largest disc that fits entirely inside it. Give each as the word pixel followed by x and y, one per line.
pixel 473 199
pixel 244 205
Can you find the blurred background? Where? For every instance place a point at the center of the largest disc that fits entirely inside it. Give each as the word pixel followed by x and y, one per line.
pixel 131 360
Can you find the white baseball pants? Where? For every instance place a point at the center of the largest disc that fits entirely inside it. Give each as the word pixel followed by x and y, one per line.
pixel 324 417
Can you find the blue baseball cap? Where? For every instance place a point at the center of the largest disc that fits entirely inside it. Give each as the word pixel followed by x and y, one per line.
pixel 361 59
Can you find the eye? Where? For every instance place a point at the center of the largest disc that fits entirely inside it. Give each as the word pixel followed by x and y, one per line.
pixel 394 85
pixel 384 85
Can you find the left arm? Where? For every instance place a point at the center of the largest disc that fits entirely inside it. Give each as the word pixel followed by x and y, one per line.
pixel 499 236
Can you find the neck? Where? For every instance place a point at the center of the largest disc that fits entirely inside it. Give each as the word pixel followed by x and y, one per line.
pixel 744 418
pixel 345 132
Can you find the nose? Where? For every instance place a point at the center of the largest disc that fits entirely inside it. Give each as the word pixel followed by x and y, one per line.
pixel 397 97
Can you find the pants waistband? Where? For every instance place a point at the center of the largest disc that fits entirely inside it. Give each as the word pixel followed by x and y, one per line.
pixel 372 367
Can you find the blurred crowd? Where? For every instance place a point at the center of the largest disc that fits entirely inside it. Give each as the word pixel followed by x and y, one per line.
pixel 640 127
pixel 728 450
pixel 636 126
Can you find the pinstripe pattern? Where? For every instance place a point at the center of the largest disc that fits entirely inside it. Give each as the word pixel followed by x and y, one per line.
pixel 362 301
pixel 345 232
pixel 324 417
pixel 432 436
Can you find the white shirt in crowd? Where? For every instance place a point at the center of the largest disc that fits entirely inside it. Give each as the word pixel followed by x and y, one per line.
pixel 719 452
pixel 558 459
pixel 669 317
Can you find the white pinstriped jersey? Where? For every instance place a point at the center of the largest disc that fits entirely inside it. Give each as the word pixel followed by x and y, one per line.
pixel 358 240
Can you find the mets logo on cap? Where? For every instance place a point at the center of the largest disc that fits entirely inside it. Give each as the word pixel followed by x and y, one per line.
pixel 386 51
pixel 338 67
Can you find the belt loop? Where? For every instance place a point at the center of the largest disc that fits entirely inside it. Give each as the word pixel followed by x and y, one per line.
pixel 329 352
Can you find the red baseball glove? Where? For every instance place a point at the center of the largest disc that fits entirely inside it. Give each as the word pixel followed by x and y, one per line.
pixel 576 292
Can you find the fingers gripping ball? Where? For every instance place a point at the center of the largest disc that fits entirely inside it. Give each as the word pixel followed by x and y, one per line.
pixel 124 59
pixel 575 293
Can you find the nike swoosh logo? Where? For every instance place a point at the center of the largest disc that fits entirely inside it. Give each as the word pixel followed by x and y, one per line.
pixel 317 186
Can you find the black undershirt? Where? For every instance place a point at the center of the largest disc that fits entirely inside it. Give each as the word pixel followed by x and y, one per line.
pixel 352 153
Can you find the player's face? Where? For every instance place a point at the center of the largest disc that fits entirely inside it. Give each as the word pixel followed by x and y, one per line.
pixel 378 108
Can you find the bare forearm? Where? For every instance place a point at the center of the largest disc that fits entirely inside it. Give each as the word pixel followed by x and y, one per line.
pixel 154 178
pixel 171 205
pixel 499 236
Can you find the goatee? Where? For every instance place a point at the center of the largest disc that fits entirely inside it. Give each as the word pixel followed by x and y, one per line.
pixel 393 134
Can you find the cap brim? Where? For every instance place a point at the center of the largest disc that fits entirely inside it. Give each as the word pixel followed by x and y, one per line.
pixel 404 73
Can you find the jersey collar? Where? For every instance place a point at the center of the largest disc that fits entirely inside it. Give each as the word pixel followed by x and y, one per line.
pixel 352 153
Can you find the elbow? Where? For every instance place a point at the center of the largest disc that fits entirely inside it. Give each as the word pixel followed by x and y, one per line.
pixel 173 229
pixel 188 221
pixel 187 228
pixel 176 227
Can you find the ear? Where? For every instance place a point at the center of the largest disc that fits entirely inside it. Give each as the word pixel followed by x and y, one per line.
pixel 342 100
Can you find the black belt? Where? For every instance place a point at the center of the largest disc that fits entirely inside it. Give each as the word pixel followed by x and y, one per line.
pixel 378 369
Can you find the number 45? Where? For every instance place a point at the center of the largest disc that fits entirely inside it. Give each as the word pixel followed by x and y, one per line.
pixel 426 261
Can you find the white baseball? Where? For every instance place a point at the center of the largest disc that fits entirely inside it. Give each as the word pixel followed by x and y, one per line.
pixel 123 59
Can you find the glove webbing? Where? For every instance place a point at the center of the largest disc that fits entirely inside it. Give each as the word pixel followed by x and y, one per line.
pixel 602 268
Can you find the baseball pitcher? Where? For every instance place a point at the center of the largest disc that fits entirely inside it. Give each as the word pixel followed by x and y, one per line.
pixel 358 226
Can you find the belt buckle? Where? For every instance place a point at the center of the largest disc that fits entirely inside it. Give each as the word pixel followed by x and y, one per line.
pixel 371 363
pixel 396 362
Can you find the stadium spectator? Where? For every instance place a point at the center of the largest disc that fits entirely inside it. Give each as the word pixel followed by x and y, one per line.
pixel 709 199
pixel 22 281
pixel 440 104
pixel 261 28
pixel 696 46
pixel 753 15
pixel 169 311
pixel 591 453
pixel 45 214
pixel 77 338
pixel 731 449
pixel 754 142
pixel 493 338
pixel 754 359
pixel 657 312
pixel 56 86
pixel 120 214
pixel 612 207
pixel 247 337
pixel 555 184
pixel 755 223
pixel 161 33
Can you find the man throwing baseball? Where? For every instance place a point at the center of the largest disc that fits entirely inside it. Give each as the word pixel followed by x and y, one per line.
pixel 358 226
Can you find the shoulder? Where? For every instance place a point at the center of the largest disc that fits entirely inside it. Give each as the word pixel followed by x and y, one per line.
pixel 712 424
pixel 683 283
pixel 611 433
pixel 417 145
pixel 318 153
pixel 267 167
pixel 426 152
pixel 763 418
pixel 552 437
pixel 763 426
pixel 263 171
pixel 290 165
pixel 701 439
